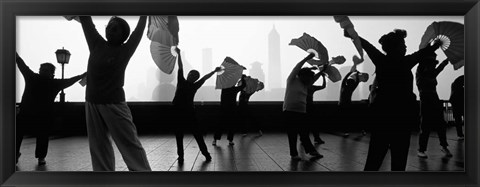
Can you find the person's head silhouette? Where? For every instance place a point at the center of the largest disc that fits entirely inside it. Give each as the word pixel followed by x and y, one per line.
pixel 47 70
pixel 117 31
pixel 306 76
pixel 393 43
pixel 193 76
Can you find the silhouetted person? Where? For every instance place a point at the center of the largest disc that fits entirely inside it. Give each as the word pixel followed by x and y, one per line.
pixel 431 108
pixel 228 105
pixel 311 107
pixel 245 113
pixel 349 84
pixel 457 98
pixel 36 108
pixel 393 103
pixel 106 109
pixel 185 109
pixel 295 109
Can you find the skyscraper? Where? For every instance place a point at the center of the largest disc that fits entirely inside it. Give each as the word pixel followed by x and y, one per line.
pixel 207 63
pixel 274 64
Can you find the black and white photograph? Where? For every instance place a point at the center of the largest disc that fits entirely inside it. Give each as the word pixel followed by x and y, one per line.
pixel 183 93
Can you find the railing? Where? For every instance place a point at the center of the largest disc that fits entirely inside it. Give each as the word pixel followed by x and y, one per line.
pixel 447 112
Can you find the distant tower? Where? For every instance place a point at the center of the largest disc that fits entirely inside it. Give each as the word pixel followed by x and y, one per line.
pixel 256 71
pixel 274 64
pixel 207 63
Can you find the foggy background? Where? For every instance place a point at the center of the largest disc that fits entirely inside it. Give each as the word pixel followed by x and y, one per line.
pixel 260 43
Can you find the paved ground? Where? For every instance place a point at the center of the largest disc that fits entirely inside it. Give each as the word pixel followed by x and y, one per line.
pixel 250 153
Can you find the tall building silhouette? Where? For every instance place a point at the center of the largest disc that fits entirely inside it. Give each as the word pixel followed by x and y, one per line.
pixel 256 71
pixel 207 59
pixel 274 64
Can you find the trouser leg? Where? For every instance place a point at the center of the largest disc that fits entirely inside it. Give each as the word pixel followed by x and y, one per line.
pixel 399 147
pixel 292 142
pixel 41 148
pixel 201 142
pixel 179 138
pixel 377 149
pixel 101 149
pixel 120 124
pixel 423 138
pixel 442 134
pixel 306 143
pixel 217 135
pixel 230 135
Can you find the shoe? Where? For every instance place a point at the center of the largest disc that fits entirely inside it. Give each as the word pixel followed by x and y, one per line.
pixel 319 141
pixel 244 135
pixel 41 161
pixel 214 142
pixel 346 134
pixel 296 157
pixel 260 133
pixel 461 138
pixel 231 143
pixel 315 155
pixel 447 152
pixel 422 154
pixel 208 158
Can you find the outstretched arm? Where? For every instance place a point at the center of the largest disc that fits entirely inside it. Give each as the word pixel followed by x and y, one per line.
pixel 136 35
pixel 354 68
pixel 344 81
pixel 200 82
pixel 372 51
pixel 440 67
pixel 297 67
pixel 180 76
pixel 323 86
pixel 417 56
pixel 91 33
pixel 24 69
pixel 243 84
pixel 65 83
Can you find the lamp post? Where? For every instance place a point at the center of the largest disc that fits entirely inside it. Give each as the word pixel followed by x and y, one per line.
pixel 63 56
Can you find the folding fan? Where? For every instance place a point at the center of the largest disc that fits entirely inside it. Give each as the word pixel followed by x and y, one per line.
pixel 163 31
pixel 333 74
pixel 337 60
pixel 312 45
pixel 356 60
pixel 253 85
pixel 70 18
pixel 347 26
pixel 260 86
pixel 451 35
pixel 230 74
pixel 363 77
pixel 164 56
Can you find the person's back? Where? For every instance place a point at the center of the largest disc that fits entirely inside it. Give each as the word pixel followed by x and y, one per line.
pixel 37 105
pixel 349 84
pixel 457 95
pixel 107 62
pixel 184 94
pixel 295 96
pixel 228 97
pixel 107 113
pixel 39 95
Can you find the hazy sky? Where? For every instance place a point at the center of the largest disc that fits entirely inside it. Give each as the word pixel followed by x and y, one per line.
pixel 245 39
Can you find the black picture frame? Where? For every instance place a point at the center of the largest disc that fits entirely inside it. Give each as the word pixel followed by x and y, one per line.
pixel 470 9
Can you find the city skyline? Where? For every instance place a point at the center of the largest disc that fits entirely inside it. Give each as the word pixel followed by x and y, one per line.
pixel 245 39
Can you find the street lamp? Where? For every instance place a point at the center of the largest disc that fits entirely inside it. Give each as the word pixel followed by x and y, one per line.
pixel 63 56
